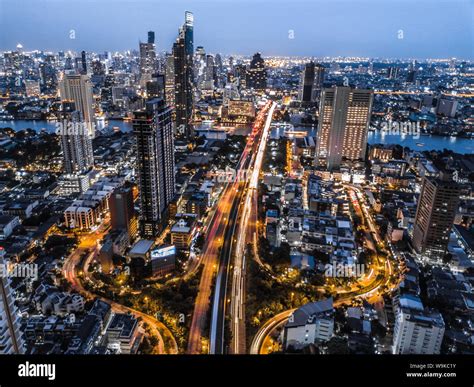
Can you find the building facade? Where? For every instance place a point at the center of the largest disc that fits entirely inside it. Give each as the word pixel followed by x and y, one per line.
pixel 344 116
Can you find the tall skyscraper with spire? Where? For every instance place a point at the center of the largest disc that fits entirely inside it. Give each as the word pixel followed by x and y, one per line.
pixel 189 32
pixel 183 81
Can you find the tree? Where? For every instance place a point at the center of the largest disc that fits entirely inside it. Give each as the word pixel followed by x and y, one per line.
pixel 337 346
pixel 321 256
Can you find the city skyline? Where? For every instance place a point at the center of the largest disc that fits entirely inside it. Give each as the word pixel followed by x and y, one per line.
pixel 405 34
pixel 175 198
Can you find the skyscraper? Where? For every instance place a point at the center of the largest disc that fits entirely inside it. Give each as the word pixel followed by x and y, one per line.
pixel 256 73
pixel 344 116
pixel 189 32
pixel 169 79
pixel 153 130
pixel 435 214
pixel 183 78
pixel 151 37
pixel 75 140
pixel 11 341
pixel 311 82
pixel 78 88
pixel 147 59
pixel 84 62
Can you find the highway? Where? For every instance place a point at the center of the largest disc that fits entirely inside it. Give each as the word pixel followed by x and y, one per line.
pixel 247 229
pixel 211 253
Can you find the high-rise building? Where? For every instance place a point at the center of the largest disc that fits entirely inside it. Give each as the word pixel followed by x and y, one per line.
pixel 11 341
pixel 83 62
pixel 169 79
pixel 75 140
pixel 183 79
pixel 147 60
pixel 311 82
pixel 122 212
pixel 417 330
pixel 151 37
pixel 256 73
pixel 153 130
pixel 437 207
pixel 155 87
pixel 392 72
pixel 189 32
pixel 211 71
pixel 344 116
pixel 78 88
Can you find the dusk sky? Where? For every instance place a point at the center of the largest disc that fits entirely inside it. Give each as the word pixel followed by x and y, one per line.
pixel 431 28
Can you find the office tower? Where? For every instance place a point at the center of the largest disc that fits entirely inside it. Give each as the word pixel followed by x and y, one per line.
pixel 84 62
pixel 240 71
pixel 411 75
pixel 344 116
pixel 122 212
pixel 446 107
pixel 199 64
pixel 183 80
pixel 78 88
pixel 48 75
pixel 155 87
pixel 169 79
pixel 76 142
pixel 147 60
pixel 417 330
pixel 319 73
pixel 189 32
pixel 437 207
pixel 211 71
pixel 11 341
pixel 311 82
pixel 151 37
pixel 256 73
pixel 218 61
pixel 153 130
pixel 392 72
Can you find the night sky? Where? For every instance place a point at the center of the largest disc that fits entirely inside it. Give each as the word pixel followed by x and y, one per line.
pixel 430 28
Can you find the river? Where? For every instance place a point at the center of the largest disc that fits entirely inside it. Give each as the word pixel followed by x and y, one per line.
pixel 459 145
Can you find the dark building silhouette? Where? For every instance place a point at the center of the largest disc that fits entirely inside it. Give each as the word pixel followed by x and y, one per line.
pixel 311 82
pixel 183 79
pixel 256 73
pixel 151 37
pixel 153 130
pixel 122 212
